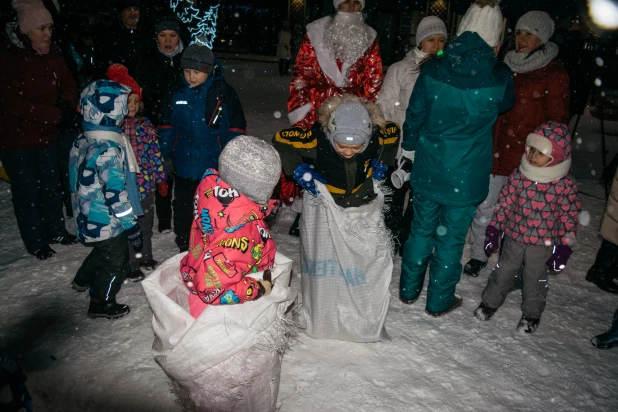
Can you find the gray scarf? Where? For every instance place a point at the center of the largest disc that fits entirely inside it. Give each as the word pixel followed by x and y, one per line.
pixel 520 64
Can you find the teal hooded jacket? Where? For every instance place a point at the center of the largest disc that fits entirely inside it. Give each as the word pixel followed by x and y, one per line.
pixel 449 121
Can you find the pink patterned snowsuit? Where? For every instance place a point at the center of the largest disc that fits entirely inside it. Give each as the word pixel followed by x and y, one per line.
pixel 229 240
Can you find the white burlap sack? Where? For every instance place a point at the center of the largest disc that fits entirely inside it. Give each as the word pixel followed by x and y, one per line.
pixel 229 358
pixel 346 268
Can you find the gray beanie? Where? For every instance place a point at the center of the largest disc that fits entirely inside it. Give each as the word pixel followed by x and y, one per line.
pixel 429 26
pixel 251 166
pixel 350 124
pixel 538 23
pixel 198 57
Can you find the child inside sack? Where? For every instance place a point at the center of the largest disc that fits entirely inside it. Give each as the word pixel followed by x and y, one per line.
pixel 537 213
pixel 350 144
pixel 229 239
pixel 145 144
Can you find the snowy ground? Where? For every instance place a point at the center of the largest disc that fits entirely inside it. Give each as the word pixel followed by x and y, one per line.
pixel 450 364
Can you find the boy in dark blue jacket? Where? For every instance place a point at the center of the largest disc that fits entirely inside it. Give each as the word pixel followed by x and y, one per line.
pixel 206 115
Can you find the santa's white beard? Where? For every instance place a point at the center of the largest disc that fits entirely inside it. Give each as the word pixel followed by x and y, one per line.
pixel 347 37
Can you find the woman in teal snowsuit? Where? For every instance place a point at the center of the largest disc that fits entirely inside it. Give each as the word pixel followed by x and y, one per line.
pixel 449 121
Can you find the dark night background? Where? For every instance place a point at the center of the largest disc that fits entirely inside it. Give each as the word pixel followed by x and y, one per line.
pixel 251 26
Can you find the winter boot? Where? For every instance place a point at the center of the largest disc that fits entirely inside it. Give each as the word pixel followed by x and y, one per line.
pixel 136 275
pixel 608 339
pixel 165 226
pixel 456 303
pixel 527 324
pixel 79 288
pixel 44 252
pixel 66 239
pixel 407 301
pixel 473 267
pixel 484 312
pixel 107 309
pixel 294 229
pixel 603 279
pixel 149 265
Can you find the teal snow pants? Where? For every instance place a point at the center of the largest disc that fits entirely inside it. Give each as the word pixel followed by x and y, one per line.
pixel 440 229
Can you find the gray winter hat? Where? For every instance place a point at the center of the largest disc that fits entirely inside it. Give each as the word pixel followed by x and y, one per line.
pixel 251 166
pixel 430 26
pixel 538 23
pixel 198 57
pixel 350 124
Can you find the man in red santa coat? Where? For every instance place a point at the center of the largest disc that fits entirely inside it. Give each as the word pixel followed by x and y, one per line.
pixel 338 55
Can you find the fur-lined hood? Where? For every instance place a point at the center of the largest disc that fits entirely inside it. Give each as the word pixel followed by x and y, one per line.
pixel 331 104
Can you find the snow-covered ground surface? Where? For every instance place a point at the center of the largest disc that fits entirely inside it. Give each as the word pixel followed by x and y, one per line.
pixel 454 363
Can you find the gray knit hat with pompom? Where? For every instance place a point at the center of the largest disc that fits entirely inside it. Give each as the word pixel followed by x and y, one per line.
pixel 251 166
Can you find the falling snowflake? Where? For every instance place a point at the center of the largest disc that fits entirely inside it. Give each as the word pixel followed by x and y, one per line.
pixel 584 218
pixel 277 114
pixel 598 82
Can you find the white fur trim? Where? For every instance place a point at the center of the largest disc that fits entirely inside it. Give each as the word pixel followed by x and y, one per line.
pixel 540 143
pixel 315 32
pixel 544 174
pixel 299 113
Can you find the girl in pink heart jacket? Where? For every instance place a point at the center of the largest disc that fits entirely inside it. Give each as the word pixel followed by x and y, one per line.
pixel 229 239
pixel 537 214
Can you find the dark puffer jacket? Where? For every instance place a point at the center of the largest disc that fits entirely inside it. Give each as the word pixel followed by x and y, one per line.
pixel 31 87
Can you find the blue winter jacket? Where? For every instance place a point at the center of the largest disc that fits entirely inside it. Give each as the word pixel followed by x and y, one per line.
pixel 204 119
pixel 449 121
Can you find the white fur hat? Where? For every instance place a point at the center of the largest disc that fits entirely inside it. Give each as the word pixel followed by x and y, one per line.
pixel 485 18
pixel 338 2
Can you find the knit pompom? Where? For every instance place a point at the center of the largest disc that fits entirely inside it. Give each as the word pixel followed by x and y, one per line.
pixel 120 74
pixel 117 71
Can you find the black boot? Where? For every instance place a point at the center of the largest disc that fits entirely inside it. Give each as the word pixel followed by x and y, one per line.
pixel 294 229
pixel 484 312
pixel 107 309
pixel 136 275
pixel 149 265
pixel 44 252
pixel 527 324
pixel 79 288
pixel 473 267
pixel 65 239
pixel 456 303
pixel 605 268
pixel 608 339
pixel 165 226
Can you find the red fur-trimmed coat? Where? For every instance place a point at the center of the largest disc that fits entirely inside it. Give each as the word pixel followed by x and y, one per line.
pixel 316 76
pixel 539 214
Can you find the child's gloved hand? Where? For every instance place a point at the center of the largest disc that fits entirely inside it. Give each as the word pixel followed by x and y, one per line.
pixel 559 258
pixel 492 239
pixel 305 175
pixel 265 284
pixel 134 234
pixel 379 169
pixel 162 189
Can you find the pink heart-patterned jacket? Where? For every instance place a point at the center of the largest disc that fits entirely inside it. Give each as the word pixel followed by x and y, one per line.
pixel 229 240
pixel 539 214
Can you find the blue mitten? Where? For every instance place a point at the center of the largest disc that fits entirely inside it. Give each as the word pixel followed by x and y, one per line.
pixel 305 175
pixel 379 169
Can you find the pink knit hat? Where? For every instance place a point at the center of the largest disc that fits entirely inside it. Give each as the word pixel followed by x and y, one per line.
pixel 552 139
pixel 31 14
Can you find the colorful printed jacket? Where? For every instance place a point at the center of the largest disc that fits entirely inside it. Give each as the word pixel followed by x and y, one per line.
pixel 539 214
pixel 316 75
pixel 229 240
pixel 143 137
pixel 101 204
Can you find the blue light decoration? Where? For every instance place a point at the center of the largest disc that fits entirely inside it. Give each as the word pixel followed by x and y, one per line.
pixel 202 24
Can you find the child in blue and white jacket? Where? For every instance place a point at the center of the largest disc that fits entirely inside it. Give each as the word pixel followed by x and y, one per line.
pixel 206 115
pixel 104 196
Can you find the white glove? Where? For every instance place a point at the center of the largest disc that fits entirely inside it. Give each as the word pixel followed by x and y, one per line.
pixel 408 154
